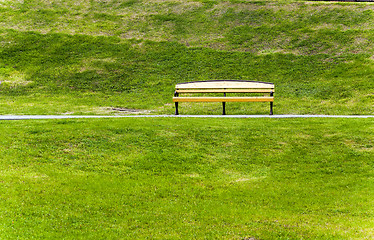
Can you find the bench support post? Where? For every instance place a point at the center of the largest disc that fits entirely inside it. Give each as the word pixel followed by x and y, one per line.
pixel 271 104
pixel 224 106
pixel 271 108
pixel 176 104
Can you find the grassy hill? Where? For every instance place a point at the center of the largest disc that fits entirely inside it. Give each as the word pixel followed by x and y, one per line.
pixel 90 57
pixel 185 178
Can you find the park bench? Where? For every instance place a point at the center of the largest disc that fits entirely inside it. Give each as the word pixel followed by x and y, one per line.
pixel 224 87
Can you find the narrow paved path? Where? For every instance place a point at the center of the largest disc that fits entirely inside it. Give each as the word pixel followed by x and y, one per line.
pixel 26 117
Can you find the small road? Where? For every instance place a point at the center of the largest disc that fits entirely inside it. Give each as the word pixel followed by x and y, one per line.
pixel 31 117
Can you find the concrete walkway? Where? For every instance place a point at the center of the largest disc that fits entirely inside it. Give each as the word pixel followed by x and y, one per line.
pixel 28 117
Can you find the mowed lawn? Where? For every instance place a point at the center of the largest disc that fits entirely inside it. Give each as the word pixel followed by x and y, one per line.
pixel 187 179
pixel 168 178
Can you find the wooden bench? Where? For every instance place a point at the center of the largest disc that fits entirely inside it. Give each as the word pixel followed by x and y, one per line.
pixel 225 87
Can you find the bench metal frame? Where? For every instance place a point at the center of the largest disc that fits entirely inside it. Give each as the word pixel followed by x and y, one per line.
pixel 224 86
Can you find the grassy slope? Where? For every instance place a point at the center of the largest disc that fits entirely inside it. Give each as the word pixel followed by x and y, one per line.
pixel 187 179
pixel 90 56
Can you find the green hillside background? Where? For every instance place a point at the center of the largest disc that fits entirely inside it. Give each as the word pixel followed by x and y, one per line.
pixel 98 57
pixel 185 178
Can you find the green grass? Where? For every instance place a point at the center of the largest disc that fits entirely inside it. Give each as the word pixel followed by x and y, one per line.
pixel 187 179
pixel 130 54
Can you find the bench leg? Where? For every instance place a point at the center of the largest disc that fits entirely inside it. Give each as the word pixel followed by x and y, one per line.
pixel 271 104
pixel 176 103
pixel 271 108
pixel 224 106
pixel 176 108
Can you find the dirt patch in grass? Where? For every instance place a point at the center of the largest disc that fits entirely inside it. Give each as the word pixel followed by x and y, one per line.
pixel 360 146
pixel 186 7
pixel 129 110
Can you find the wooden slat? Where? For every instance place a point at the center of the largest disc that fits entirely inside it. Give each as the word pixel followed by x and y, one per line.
pixel 224 84
pixel 264 90
pixel 223 99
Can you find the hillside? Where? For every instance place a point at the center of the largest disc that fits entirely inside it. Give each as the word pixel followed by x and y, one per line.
pixel 185 178
pixel 88 57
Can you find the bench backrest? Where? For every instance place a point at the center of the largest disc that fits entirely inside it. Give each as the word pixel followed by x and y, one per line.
pixel 222 86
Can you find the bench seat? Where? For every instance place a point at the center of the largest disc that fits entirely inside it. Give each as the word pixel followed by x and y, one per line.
pixel 223 99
